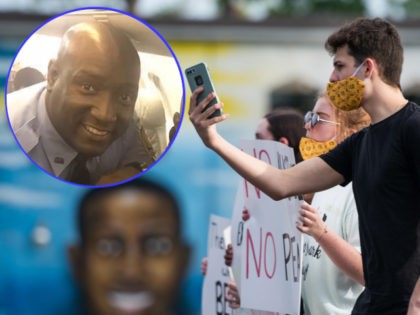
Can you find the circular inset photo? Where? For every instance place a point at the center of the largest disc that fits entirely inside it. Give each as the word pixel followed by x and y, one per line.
pixel 94 96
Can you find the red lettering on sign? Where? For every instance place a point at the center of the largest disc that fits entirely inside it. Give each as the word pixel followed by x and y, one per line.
pixel 250 243
pixel 257 254
pixel 263 156
pixel 269 235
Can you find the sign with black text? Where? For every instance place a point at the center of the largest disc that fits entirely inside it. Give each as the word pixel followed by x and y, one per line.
pixel 269 244
pixel 218 274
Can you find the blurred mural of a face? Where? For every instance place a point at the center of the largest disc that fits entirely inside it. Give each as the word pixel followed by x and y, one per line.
pixel 132 261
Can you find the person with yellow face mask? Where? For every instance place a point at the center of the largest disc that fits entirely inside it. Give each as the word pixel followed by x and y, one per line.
pixel 382 161
pixel 332 271
pixel 332 264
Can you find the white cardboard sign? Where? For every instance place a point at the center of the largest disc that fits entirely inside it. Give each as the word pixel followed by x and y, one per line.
pixel 268 247
pixel 218 274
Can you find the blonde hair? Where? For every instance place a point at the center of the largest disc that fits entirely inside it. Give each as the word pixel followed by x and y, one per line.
pixel 349 121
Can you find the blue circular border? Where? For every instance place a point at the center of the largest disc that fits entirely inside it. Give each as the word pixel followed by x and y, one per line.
pixel 183 100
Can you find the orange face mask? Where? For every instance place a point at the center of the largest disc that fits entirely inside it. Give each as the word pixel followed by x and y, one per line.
pixel 347 94
pixel 310 148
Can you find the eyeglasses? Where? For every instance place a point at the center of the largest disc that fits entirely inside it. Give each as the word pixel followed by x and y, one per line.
pixel 314 119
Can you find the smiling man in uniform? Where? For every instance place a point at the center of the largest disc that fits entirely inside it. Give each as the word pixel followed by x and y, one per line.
pixel 79 125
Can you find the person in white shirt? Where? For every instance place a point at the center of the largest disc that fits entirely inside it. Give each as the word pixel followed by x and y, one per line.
pixel 332 272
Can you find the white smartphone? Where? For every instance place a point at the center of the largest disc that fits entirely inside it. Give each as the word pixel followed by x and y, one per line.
pixel 198 75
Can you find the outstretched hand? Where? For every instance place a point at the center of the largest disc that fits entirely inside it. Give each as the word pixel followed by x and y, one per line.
pixel 205 127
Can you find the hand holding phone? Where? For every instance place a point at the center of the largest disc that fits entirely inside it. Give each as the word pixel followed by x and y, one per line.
pixel 197 76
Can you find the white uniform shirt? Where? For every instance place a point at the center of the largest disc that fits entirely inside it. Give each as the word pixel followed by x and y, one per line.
pixel 39 139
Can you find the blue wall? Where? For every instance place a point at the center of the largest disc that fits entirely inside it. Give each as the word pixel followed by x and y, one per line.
pixel 35 279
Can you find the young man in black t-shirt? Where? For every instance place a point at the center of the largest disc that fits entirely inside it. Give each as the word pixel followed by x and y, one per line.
pixel 383 161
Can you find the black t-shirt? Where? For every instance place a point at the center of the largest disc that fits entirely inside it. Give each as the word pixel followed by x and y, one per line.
pixel 383 161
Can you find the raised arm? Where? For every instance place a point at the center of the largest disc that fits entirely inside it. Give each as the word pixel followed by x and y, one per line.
pixel 309 176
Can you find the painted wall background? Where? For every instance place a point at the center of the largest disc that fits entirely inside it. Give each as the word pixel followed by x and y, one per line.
pixel 34 276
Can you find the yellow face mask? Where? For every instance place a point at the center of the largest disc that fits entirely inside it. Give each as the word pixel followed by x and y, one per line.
pixel 310 148
pixel 347 94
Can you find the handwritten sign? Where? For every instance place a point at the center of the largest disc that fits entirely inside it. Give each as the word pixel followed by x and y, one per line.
pixel 218 274
pixel 269 245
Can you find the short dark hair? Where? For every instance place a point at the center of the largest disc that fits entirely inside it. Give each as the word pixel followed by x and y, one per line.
pixel 371 38
pixel 288 123
pixel 139 184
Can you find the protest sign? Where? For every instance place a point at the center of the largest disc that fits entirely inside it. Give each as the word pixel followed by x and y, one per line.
pixel 268 244
pixel 218 274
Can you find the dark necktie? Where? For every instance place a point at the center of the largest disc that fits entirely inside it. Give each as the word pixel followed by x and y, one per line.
pixel 79 172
